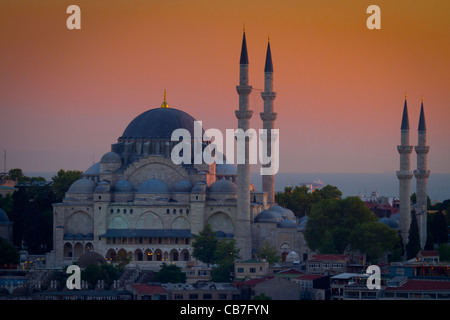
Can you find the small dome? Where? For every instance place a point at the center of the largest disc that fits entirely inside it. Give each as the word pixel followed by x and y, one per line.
pixel 90 257
pixel 183 186
pixel 277 208
pixel 391 223
pixel 3 216
pixel 286 223
pixel 396 216
pixel 93 170
pixel 123 186
pixel 102 186
pixel 111 157
pixel 267 216
pixel 292 256
pixel 223 186
pixel 153 186
pixel 82 185
pixel 302 223
pixel 199 187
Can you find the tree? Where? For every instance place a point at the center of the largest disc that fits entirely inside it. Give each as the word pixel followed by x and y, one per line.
pixel 414 200
pixel 204 245
pixel 8 253
pixel 444 252
pixel 122 258
pixel 336 225
pixel 373 239
pixel 106 272
pixel 225 255
pixel 62 181
pixel 170 274
pixel 437 226
pixel 330 192
pixel 413 246
pixel 268 253
pixel 398 252
pixel 17 174
pixel 300 200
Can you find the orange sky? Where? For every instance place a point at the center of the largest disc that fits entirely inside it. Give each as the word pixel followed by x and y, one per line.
pixel 67 95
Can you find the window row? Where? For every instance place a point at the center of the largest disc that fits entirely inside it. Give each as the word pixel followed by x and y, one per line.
pixel 168 211
pixel 146 240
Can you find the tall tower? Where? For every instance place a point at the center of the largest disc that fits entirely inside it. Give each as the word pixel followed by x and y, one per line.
pixel 422 175
pixel 243 232
pixel 268 117
pixel 404 176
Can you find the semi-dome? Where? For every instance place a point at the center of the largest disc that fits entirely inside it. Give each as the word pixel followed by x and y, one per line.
pixel 183 186
pixel 123 186
pixel 223 186
pixel 83 185
pixel 286 223
pixel 111 157
pixel 153 186
pixel 158 123
pixel 93 170
pixel 3 216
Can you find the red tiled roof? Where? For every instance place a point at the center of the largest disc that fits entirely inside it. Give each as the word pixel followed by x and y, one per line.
pixel 252 282
pixel 429 253
pixel 290 271
pixel 318 257
pixel 309 277
pixel 422 285
pixel 149 289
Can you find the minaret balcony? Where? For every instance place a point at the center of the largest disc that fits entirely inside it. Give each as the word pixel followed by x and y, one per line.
pixel 404 175
pixel 404 149
pixel 244 114
pixel 422 149
pixel 421 174
pixel 268 95
pixel 268 116
pixel 244 89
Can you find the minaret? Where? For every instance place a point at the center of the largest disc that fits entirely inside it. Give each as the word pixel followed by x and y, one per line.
pixel 268 117
pixel 422 175
pixel 243 232
pixel 404 176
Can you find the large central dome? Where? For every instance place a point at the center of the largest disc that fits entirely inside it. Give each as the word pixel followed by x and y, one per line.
pixel 158 123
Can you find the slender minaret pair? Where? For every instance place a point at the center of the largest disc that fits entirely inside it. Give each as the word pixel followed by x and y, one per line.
pixel 405 176
pixel 244 114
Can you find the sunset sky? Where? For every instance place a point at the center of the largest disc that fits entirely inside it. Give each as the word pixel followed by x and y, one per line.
pixel 67 95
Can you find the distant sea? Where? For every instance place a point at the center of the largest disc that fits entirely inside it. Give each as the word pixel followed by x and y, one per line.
pixel 351 184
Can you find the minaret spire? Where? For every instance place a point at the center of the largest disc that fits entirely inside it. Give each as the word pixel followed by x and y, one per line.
pixel 405 120
pixel 404 176
pixel 268 117
pixel 244 54
pixel 243 114
pixel 421 175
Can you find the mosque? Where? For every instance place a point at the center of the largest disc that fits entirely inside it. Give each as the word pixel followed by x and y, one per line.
pixel 137 201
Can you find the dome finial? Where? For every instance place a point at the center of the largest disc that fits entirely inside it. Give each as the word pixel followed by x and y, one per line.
pixel 164 104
